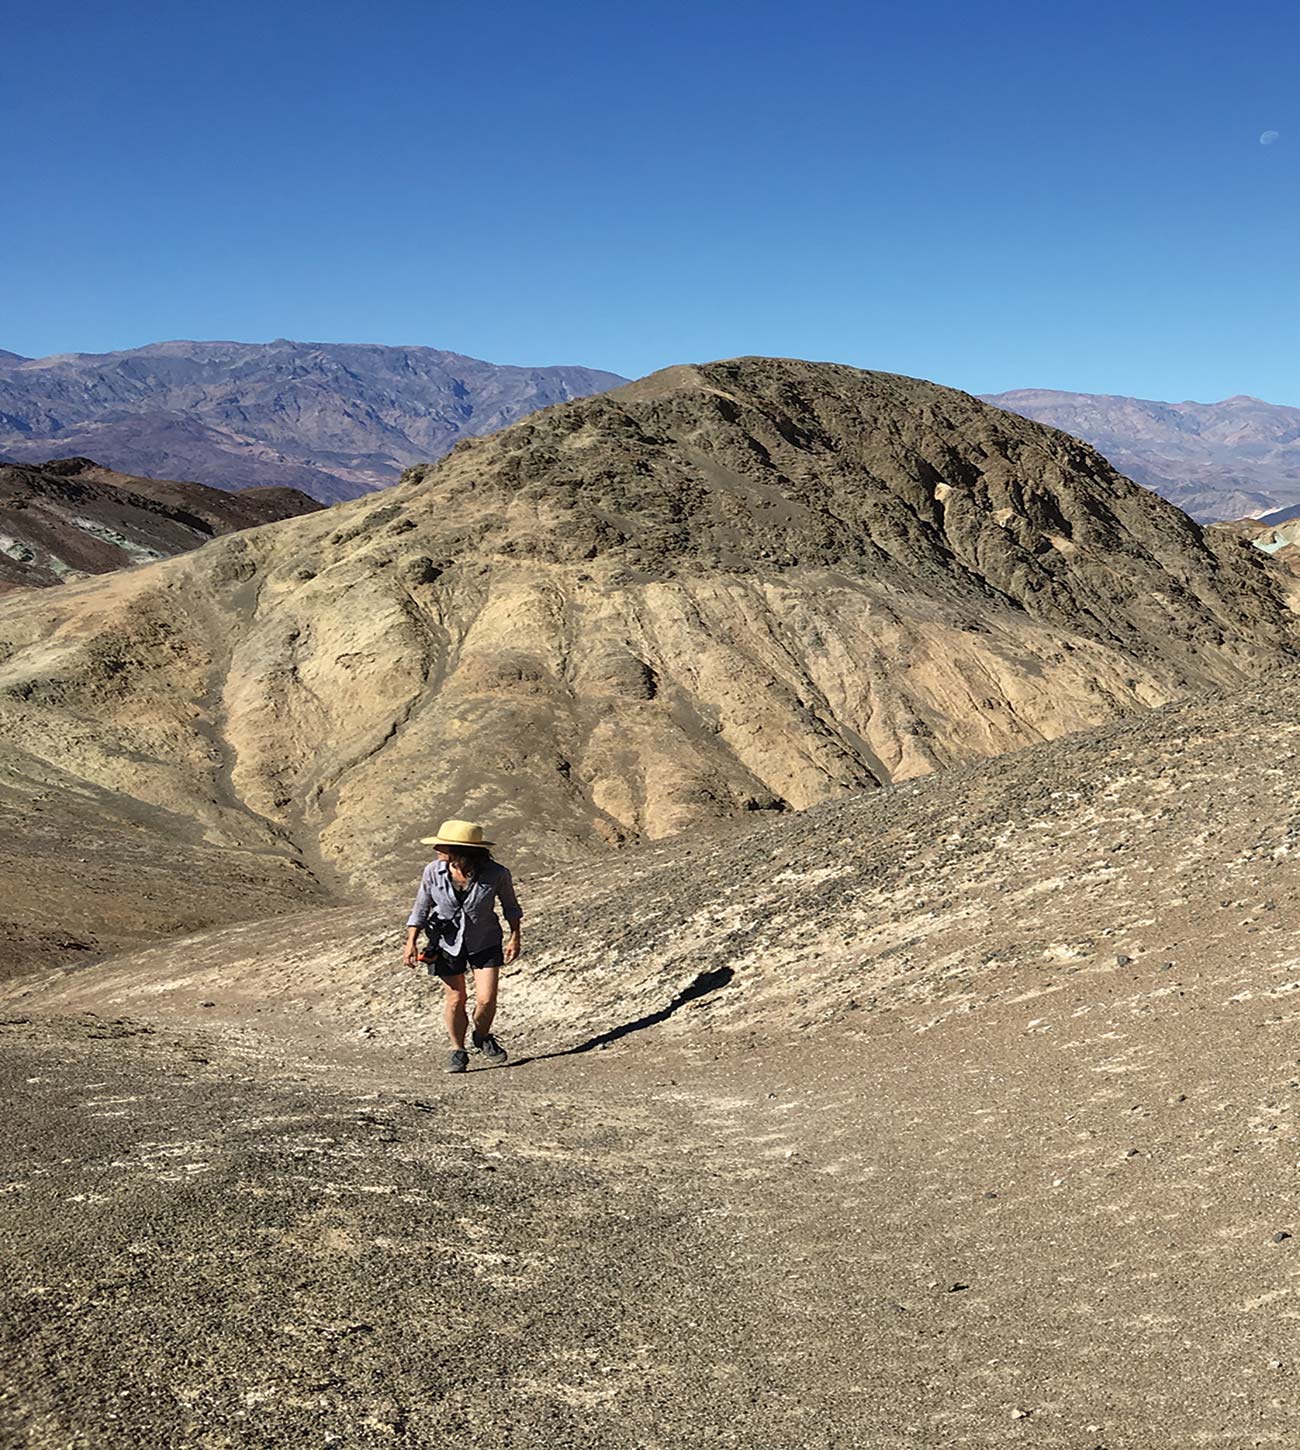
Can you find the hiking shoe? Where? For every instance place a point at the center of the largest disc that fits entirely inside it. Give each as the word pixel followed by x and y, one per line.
pixel 485 1043
pixel 458 1061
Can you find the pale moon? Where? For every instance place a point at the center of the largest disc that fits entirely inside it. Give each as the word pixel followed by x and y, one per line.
pixel 1268 138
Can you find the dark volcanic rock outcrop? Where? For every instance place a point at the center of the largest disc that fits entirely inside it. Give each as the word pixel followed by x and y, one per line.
pixel 70 517
pixel 333 419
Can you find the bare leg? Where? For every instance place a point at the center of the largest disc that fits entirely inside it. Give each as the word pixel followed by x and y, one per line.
pixel 454 1013
pixel 485 998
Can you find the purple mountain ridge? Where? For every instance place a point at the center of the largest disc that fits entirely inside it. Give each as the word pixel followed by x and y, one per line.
pixel 1232 459
pixel 335 420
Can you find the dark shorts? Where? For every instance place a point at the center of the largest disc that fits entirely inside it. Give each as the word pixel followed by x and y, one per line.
pixel 445 965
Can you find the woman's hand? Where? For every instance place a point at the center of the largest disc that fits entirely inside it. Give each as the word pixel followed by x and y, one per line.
pixel 411 956
pixel 513 948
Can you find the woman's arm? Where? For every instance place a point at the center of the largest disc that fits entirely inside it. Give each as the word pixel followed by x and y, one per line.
pixel 512 912
pixel 418 917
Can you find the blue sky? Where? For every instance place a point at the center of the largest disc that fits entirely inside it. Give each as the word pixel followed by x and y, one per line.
pixel 992 195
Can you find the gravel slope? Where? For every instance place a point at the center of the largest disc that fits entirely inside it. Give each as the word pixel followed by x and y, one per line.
pixel 1000 1233
pixel 962 1114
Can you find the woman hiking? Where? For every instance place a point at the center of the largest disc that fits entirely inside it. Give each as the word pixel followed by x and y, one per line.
pixel 456 908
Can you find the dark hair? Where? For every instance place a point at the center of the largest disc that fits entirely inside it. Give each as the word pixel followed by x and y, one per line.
pixel 468 858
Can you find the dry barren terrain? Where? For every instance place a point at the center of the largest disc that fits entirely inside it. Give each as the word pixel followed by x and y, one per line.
pixel 903 1054
pixel 963 1112
pixel 69 517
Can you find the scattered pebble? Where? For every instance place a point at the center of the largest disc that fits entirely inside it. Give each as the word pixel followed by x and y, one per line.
pixel 1281 1236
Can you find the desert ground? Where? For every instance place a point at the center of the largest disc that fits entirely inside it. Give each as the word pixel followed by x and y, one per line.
pixel 1032 1227
pixel 962 1113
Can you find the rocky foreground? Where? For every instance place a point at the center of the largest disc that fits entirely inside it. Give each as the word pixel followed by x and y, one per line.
pixel 960 1113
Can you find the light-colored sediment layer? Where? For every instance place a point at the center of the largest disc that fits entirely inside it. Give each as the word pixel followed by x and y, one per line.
pixel 1168 839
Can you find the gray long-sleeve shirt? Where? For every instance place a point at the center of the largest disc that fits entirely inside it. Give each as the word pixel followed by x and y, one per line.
pixel 473 925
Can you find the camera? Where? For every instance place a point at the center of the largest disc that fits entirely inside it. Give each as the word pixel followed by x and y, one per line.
pixel 431 951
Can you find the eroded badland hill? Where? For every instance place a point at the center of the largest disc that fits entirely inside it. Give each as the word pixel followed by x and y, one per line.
pixel 746 586
pixel 957 1107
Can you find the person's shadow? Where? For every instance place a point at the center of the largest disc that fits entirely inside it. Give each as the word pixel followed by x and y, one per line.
pixel 703 984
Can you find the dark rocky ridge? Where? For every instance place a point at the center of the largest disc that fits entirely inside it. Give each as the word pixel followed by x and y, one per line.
pixel 759 465
pixel 335 420
pixel 70 517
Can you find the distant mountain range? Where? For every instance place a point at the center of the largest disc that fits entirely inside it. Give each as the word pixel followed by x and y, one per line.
pixel 338 420
pixel 335 420
pixel 1222 460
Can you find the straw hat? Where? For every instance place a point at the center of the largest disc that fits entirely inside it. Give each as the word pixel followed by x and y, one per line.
pixel 456 833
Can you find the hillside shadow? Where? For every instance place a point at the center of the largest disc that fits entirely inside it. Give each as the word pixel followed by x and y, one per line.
pixel 704 983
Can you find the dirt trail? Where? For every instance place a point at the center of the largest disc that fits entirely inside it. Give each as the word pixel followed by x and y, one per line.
pixel 1053 1223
